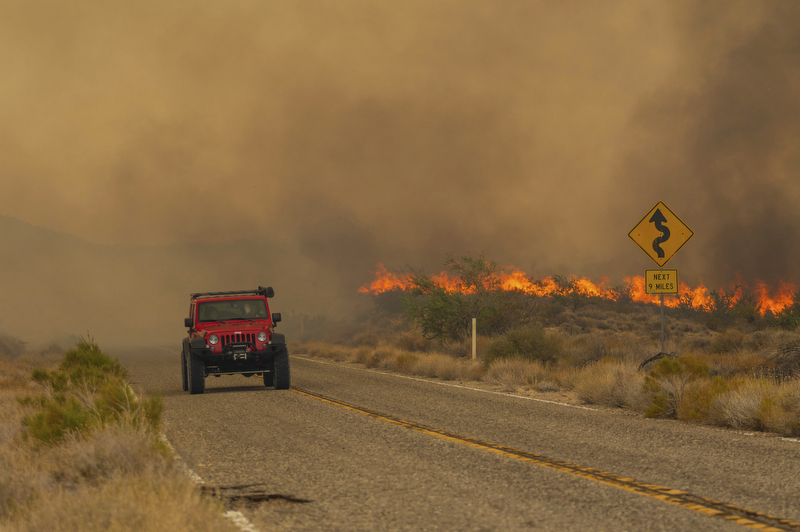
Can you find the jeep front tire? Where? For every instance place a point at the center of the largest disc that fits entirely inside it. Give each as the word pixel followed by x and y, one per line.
pixel 184 376
pixel 282 376
pixel 197 374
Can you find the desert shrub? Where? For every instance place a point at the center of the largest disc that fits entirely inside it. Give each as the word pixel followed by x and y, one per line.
pixel 88 391
pixel 445 367
pixel 785 361
pixel 698 398
pixel 413 342
pixel 748 308
pixel 529 343
pixel 727 341
pixel 595 346
pixel 445 312
pixel 759 404
pixel 513 373
pixel 780 412
pixel 366 356
pixel 569 293
pixel 722 302
pixel 405 361
pixel 11 347
pixel 332 351
pixel 440 312
pixel 87 363
pixel 608 382
pixel 666 382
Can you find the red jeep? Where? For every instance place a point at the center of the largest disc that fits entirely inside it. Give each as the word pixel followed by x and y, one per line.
pixel 233 333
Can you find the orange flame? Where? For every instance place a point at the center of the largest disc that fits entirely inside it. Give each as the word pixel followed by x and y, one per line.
pixel 698 298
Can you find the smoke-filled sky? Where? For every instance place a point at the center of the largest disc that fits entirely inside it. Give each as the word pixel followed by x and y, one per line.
pixel 359 131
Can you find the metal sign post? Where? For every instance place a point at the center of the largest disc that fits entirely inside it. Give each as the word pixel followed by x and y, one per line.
pixel 661 282
pixel 662 323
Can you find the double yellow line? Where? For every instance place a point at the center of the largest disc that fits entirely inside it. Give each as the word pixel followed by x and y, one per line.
pixel 709 507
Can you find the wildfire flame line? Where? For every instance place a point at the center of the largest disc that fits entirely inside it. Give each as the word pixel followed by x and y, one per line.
pixel 699 298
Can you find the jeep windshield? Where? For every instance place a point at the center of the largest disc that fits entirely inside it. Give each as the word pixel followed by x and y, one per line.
pixel 232 310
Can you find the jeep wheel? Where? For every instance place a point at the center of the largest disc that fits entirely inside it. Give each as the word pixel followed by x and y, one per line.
pixel 269 378
pixel 282 377
pixel 184 377
pixel 197 374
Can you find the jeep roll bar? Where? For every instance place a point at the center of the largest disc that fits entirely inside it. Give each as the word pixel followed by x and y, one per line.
pixel 260 291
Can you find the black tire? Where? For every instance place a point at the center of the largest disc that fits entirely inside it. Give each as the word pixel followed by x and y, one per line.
pixel 269 378
pixel 197 374
pixel 184 376
pixel 282 375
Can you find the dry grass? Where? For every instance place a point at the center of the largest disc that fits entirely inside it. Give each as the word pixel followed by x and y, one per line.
pixel 760 404
pixel 118 478
pixel 513 374
pixel 609 382
pixel 387 356
pixel 599 362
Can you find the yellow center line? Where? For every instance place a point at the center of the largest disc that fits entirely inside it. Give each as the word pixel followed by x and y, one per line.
pixel 709 507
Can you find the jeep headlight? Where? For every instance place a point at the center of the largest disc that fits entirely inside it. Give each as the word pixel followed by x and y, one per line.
pixel 262 336
pixel 213 339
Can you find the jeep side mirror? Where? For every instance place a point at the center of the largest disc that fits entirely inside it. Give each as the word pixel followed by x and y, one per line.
pixel 276 317
pixel 187 322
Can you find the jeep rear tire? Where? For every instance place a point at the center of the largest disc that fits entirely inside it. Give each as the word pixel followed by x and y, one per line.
pixel 197 374
pixel 184 377
pixel 282 376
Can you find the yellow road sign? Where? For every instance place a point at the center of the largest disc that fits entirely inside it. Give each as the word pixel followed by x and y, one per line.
pixel 661 281
pixel 660 234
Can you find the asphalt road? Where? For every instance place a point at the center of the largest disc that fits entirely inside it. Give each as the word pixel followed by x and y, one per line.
pixel 317 465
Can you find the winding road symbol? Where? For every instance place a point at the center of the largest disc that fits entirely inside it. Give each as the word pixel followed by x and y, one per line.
pixel 660 234
pixel 659 220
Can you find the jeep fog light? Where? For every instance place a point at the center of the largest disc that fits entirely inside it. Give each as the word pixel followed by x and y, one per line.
pixel 262 336
pixel 213 339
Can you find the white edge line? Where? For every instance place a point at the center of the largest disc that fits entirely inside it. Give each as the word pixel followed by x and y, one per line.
pixel 238 518
pixel 445 384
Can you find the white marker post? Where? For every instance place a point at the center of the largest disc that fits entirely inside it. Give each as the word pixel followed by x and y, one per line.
pixel 662 323
pixel 474 339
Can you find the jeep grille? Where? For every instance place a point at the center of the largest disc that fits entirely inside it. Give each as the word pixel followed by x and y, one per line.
pixel 226 339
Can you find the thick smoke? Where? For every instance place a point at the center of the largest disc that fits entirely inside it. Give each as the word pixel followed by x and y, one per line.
pixel 297 144
pixel 725 148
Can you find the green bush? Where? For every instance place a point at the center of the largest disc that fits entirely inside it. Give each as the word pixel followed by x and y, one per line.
pixel 670 382
pixel 445 312
pixel 89 390
pixel 86 362
pixel 441 313
pixel 60 415
pixel 789 317
pixel 528 343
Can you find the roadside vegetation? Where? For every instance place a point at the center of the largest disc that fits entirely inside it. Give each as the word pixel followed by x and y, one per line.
pixel 80 451
pixel 727 364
